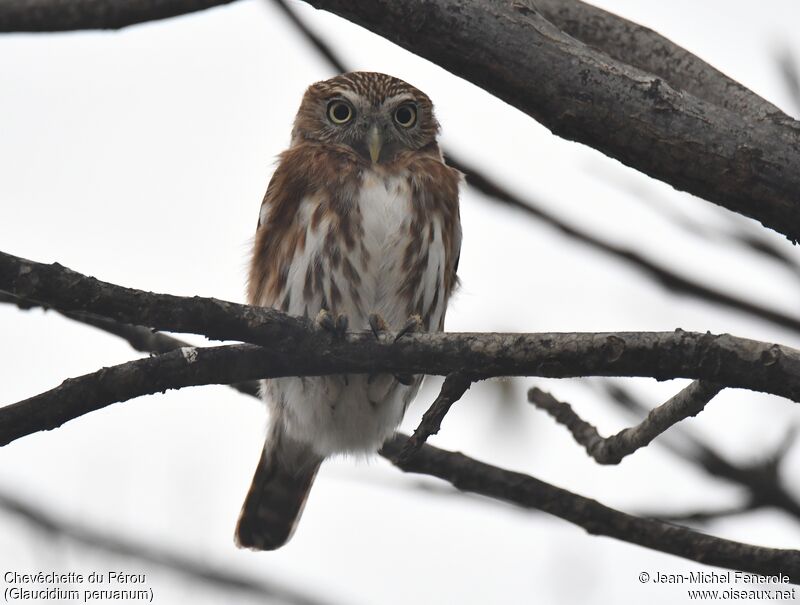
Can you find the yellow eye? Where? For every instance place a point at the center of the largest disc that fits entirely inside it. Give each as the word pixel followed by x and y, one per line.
pixel 339 112
pixel 406 115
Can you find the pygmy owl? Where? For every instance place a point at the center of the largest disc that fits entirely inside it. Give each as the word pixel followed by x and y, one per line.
pixel 360 220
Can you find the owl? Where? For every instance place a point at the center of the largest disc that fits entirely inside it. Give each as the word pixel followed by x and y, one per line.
pixel 359 229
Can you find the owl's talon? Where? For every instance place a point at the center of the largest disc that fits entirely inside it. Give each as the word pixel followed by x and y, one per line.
pixel 335 326
pixel 342 322
pixel 378 326
pixel 413 324
pixel 325 321
pixel 404 379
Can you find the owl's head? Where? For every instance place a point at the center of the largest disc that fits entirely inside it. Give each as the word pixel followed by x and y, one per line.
pixel 376 115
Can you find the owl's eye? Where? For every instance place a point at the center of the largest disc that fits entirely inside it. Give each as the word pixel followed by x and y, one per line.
pixel 406 115
pixel 339 112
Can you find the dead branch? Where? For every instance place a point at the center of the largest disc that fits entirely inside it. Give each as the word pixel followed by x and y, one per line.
pixel 611 450
pixel 453 388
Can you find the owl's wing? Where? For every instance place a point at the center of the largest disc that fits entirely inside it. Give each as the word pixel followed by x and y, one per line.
pixel 263 211
pixel 275 231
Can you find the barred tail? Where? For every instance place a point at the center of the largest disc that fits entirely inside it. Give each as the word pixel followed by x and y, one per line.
pixel 277 494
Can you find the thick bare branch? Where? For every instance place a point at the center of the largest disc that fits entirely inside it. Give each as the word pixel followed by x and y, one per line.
pixel 66 15
pixel 140 338
pixel 725 359
pixel 67 291
pixel 641 47
pixel 611 450
pixel 744 163
pixel 453 388
pixel 473 476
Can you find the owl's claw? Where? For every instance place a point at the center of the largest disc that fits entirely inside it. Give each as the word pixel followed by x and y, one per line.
pixel 413 324
pixel 336 326
pixel 378 326
pixel 404 379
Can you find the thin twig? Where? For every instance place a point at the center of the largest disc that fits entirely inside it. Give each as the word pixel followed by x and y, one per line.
pixel 701 516
pixel 790 71
pixel 672 281
pixel 611 450
pixel 453 388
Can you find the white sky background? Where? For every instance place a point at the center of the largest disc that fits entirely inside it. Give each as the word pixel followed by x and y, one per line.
pixel 140 157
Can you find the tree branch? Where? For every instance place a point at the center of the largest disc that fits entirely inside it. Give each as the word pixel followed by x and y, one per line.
pixel 611 450
pixel 473 476
pixel 68 15
pixel 731 361
pixel 641 47
pixel 746 164
pixel 453 388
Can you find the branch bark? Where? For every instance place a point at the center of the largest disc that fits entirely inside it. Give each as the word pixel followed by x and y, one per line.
pixel 641 47
pixel 731 361
pixel 69 15
pixel 747 164
pixel 471 475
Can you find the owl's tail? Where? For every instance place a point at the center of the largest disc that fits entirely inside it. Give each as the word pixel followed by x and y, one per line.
pixel 277 494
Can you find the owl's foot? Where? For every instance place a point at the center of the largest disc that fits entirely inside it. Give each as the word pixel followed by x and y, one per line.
pixel 336 326
pixel 379 329
pixel 413 324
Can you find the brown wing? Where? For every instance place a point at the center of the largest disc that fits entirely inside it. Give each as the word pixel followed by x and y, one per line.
pixel 305 171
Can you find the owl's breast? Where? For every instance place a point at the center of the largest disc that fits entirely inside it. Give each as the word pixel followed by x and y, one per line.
pixel 376 254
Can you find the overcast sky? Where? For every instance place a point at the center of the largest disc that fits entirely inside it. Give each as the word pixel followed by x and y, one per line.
pixel 141 157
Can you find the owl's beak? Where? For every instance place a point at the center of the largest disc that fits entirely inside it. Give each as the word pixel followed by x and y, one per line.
pixel 374 143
